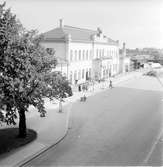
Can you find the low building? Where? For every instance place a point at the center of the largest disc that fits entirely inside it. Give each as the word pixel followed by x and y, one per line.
pixel 83 54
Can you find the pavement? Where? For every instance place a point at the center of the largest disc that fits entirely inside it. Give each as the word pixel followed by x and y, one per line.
pixel 54 127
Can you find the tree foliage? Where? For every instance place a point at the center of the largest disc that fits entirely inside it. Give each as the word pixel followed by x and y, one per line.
pixel 26 76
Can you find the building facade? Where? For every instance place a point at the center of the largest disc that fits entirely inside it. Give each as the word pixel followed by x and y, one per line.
pixel 83 54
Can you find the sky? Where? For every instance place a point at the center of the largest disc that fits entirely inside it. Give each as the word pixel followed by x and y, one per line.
pixel 138 23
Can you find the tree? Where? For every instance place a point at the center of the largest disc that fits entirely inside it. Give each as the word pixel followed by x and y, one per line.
pixel 26 76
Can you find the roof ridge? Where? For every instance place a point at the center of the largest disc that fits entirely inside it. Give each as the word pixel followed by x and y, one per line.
pixel 79 28
pixel 57 28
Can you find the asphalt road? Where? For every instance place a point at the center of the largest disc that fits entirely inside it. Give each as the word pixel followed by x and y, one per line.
pixel 115 127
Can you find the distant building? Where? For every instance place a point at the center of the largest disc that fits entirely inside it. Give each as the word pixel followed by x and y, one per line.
pixel 124 60
pixel 83 54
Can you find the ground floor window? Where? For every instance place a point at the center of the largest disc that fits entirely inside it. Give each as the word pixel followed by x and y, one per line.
pixel 70 77
pixel 79 75
pixel 83 74
pixel 75 75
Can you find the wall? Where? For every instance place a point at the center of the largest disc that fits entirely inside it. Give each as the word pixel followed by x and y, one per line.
pixel 59 47
pixel 76 65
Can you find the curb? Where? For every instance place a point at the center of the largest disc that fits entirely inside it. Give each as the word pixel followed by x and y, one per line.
pixel 37 154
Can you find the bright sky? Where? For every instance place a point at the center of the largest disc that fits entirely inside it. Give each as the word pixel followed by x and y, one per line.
pixel 136 22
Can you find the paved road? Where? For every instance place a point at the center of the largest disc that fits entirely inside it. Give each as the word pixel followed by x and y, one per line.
pixel 115 127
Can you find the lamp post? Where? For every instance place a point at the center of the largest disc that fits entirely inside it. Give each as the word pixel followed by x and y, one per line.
pixel 60 105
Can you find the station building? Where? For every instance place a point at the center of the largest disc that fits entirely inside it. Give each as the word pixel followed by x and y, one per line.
pixel 83 55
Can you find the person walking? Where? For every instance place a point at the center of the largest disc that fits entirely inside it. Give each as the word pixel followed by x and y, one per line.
pixel 110 84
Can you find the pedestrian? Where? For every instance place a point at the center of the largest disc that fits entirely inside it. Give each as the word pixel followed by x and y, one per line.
pixel 83 88
pixel 110 84
pixel 84 98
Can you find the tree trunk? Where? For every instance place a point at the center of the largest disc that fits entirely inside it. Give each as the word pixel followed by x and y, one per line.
pixel 22 124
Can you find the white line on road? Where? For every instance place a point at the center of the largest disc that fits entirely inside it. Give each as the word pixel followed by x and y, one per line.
pixel 153 147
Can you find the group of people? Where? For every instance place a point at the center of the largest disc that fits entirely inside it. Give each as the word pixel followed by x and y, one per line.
pixel 83 88
pixel 84 98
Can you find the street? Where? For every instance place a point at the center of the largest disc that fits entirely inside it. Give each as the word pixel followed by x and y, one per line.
pixel 116 127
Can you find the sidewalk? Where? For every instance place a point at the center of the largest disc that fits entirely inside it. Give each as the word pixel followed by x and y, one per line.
pixel 53 128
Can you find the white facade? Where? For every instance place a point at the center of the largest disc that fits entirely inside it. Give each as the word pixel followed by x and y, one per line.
pixel 86 54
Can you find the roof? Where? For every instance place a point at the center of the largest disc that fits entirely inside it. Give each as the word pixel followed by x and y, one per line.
pixel 77 34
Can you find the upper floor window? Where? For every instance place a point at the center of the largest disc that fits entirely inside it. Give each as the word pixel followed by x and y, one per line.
pixel 83 54
pixel 103 53
pixel 97 53
pixel 107 53
pixel 83 74
pixel 79 74
pixel 90 55
pixel 100 53
pixel 75 55
pixel 71 76
pixel 87 55
pixel 71 55
pixel 75 75
pixel 79 55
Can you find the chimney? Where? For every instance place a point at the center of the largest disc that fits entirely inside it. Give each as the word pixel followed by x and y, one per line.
pixel 61 23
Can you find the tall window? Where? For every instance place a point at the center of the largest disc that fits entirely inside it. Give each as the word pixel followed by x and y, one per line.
pixel 87 55
pixel 103 53
pixel 100 53
pixel 83 74
pixel 83 54
pixel 96 53
pixel 89 72
pixel 79 55
pixel 75 55
pixel 75 75
pixel 71 77
pixel 79 74
pixel 90 55
pixel 71 55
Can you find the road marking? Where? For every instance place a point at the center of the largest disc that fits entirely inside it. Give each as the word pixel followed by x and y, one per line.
pixel 153 147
